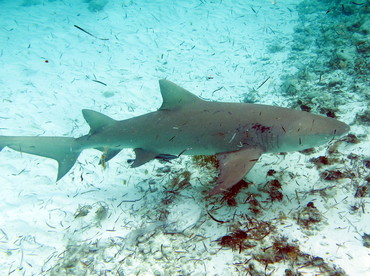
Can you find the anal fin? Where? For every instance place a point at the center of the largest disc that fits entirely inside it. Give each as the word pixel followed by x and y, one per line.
pixel 108 154
pixel 234 166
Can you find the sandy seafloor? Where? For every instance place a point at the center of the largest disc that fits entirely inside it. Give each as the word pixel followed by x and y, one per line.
pixel 123 221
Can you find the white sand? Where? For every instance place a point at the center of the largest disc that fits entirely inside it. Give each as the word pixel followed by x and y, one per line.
pixel 202 45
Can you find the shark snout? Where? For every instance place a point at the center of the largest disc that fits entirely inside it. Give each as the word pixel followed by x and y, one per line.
pixel 341 128
pixel 329 127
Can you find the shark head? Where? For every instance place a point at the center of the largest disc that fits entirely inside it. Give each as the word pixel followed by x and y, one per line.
pixel 308 130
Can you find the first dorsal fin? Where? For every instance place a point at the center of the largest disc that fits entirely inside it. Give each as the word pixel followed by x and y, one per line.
pixel 175 96
pixel 96 120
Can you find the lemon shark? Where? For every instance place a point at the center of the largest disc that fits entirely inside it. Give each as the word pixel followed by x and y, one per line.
pixel 237 133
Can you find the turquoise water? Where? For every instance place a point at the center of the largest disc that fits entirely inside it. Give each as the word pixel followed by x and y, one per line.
pixel 59 57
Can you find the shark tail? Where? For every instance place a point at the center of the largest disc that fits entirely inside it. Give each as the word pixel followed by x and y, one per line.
pixel 64 150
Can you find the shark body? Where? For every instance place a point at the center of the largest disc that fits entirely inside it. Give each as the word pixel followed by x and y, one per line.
pixel 238 133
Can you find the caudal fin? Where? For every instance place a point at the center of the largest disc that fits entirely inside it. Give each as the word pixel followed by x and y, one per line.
pixel 64 150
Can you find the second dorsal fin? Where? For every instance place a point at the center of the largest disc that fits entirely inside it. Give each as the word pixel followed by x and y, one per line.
pixel 96 120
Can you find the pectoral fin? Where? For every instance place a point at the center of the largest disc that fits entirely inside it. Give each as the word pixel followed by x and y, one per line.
pixel 234 166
